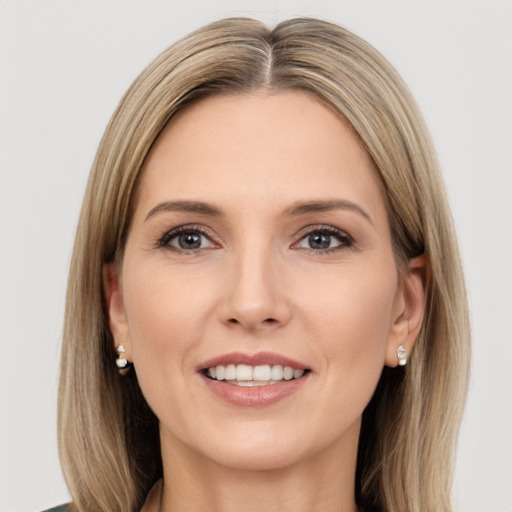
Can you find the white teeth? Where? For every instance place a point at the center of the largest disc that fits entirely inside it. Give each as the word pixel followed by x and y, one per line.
pixel 230 372
pixel 287 373
pixel 246 375
pixel 221 371
pixel 277 372
pixel 250 383
pixel 243 372
pixel 262 372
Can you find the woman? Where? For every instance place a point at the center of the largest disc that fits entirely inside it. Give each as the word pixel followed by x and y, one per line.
pixel 266 240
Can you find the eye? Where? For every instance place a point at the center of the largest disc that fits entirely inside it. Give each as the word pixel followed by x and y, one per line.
pixel 324 239
pixel 186 239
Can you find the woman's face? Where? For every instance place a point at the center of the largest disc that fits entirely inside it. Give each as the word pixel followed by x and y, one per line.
pixel 259 249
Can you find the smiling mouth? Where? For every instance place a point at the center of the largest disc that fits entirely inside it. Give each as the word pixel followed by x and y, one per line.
pixel 250 376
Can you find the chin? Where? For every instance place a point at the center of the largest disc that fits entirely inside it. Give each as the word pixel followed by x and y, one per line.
pixel 258 458
pixel 271 445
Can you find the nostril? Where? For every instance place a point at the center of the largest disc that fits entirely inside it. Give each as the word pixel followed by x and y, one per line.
pixel 267 321
pixel 252 323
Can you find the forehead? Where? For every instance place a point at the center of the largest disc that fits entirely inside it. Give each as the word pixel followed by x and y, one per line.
pixel 259 147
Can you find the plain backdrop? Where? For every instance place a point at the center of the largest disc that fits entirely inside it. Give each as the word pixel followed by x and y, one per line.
pixel 64 66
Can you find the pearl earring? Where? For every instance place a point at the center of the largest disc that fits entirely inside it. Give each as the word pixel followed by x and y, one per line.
pixel 402 355
pixel 122 363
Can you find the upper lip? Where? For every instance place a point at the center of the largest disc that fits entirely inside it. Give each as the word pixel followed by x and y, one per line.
pixel 259 358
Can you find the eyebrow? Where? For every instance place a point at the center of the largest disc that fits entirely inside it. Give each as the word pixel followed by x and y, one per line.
pixel 302 208
pixel 296 209
pixel 185 206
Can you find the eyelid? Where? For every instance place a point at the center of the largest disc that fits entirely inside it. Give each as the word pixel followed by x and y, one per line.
pixel 346 240
pixel 162 241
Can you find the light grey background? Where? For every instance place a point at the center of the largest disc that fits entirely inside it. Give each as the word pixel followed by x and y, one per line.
pixel 65 64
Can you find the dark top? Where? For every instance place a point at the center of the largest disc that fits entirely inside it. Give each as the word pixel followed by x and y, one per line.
pixel 60 508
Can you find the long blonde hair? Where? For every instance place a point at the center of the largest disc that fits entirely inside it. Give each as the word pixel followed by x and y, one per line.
pixel 108 436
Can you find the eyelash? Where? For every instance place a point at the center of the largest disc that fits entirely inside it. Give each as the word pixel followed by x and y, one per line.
pixel 345 240
pixel 164 241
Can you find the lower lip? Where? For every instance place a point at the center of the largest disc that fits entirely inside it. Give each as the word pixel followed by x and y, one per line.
pixel 255 396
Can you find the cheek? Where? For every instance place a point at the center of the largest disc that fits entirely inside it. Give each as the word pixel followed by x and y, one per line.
pixel 165 314
pixel 351 327
pixel 356 302
pixel 162 302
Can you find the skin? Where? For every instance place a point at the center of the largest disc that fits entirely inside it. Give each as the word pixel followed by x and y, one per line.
pixel 256 284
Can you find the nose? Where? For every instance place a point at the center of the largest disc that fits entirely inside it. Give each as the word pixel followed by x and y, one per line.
pixel 255 297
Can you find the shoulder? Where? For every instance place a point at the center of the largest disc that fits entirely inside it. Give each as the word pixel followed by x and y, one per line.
pixel 60 508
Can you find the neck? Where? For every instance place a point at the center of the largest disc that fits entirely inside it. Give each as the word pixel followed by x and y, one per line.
pixel 322 483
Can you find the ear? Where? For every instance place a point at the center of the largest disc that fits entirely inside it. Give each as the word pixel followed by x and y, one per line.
pixel 115 307
pixel 408 311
